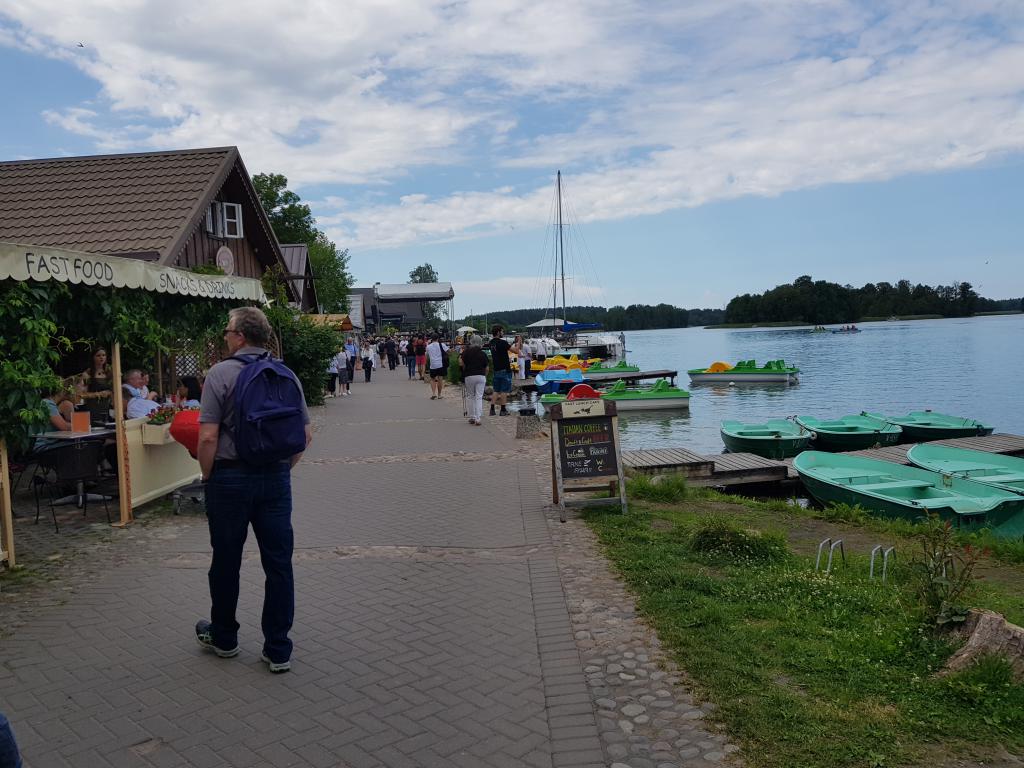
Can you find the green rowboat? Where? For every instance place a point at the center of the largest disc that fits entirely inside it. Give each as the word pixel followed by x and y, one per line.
pixel 922 426
pixel 774 439
pixel 660 396
pixel 1005 472
pixel 909 493
pixel 850 433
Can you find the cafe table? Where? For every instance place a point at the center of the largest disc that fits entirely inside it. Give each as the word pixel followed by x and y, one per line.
pixel 96 433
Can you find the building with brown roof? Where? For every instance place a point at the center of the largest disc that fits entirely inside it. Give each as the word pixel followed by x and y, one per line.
pixel 183 208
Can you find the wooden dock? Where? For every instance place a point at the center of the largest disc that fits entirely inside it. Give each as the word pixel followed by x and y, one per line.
pixel 726 469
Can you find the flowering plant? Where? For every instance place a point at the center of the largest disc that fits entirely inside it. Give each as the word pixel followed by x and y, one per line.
pixel 161 416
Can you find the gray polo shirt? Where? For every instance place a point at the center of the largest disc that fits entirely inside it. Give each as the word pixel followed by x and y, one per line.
pixel 218 403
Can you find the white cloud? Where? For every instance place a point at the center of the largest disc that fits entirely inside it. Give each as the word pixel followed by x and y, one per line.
pixel 649 106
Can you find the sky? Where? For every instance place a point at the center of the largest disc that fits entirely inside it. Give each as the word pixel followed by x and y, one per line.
pixel 707 148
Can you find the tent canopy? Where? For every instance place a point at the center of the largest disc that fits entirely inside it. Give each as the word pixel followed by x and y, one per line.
pixel 29 262
pixel 413 292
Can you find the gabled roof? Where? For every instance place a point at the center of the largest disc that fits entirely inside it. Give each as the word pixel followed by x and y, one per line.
pixel 143 205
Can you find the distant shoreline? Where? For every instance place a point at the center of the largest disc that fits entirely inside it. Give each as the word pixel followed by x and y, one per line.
pixel 901 318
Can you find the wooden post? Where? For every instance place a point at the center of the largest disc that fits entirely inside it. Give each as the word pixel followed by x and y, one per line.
pixel 124 484
pixel 6 516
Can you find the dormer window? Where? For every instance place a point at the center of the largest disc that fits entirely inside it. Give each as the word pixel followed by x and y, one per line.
pixel 224 220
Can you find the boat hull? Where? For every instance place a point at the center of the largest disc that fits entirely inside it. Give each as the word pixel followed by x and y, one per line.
pixel 922 434
pixel 850 433
pixel 729 377
pixel 877 487
pixel 770 448
pixel 650 404
pixel 1004 472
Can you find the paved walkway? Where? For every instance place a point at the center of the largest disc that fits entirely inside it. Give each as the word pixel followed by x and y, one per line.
pixel 433 626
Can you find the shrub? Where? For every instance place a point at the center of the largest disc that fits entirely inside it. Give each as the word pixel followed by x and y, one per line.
pixel 663 489
pixel 719 536
pixel 944 572
pixel 308 349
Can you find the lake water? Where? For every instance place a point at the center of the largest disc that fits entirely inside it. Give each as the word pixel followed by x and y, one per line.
pixel 966 367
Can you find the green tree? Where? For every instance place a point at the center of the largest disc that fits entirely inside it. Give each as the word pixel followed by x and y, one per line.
pixel 424 273
pixel 293 222
pixel 291 219
pixel 432 310
pixel 330 272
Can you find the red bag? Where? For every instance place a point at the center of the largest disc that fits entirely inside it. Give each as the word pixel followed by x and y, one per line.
pixel 185 429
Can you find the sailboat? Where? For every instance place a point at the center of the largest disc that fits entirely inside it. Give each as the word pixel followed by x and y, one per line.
pixel 581 339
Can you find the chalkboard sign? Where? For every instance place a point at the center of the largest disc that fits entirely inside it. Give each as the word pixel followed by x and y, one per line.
pixel 587 448
pixel 585 453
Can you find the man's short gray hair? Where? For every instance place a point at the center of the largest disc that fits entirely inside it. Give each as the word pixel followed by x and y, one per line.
pixel 476 341
pixel 252 324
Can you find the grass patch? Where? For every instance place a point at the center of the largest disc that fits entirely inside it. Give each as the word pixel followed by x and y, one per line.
pixel 663 489
pixel 806 669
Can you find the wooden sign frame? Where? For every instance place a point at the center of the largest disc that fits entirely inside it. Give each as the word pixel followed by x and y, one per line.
pixel 585 412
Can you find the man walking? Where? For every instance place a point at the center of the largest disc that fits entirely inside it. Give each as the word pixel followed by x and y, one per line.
pixel 392 352
pixel 437 354
pixel 246 463
pixel 502 381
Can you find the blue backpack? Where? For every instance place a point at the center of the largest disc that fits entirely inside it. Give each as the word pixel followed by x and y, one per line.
pixel 269 425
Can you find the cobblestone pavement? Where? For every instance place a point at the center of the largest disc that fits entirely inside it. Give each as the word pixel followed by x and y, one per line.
pixel 444 618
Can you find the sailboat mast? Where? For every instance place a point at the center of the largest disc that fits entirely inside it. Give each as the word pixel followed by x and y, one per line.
pixel 561 245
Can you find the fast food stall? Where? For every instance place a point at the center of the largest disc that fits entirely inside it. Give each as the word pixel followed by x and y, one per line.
pixel 150 462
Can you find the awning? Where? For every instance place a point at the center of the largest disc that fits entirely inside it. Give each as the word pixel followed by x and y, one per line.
pixel 573 327
pixel 338 321
pixel 29 262
pixel 413 292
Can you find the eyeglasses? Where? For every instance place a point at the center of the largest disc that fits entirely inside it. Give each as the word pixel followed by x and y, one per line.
pixel 229 330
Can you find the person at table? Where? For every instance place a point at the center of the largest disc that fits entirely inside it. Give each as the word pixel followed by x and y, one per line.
pixel 96 387
pixel 146 391
pixel 59 408
pixel 189 392
pixel 138 405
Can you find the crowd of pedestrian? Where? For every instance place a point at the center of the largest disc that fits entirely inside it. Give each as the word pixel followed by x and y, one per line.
pixel 426 357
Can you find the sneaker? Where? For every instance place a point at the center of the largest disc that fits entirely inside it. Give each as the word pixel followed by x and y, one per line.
pixel 433 397
pixel 274 666
pixel 492 410
pixel 205 637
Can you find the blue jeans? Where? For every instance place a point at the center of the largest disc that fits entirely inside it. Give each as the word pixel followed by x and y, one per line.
pixel 262 497
pixel 410 360
pixel 9 756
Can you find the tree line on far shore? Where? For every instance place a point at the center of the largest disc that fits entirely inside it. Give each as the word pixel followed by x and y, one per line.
pixel 819 302
pixel 635 317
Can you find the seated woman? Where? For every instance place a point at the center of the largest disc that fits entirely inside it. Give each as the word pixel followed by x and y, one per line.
pixel 189 392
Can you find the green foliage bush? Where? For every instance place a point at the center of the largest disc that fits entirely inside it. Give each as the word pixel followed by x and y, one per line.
pixel 718 536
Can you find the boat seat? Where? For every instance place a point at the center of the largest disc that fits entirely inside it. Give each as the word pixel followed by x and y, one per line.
pixel 998 477
pixel 896 484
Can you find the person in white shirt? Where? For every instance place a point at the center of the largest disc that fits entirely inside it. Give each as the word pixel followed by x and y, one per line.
pixel 138 402
pixel 437 362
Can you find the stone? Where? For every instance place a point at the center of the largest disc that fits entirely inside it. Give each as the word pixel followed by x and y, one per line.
pixel 714 757
pixel 632 710
pixel 606 703
pixel 626 726
pixel 641 719
pixel 614 669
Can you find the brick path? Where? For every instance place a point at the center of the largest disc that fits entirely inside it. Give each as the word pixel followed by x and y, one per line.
pixel 431 624
pixel 444 618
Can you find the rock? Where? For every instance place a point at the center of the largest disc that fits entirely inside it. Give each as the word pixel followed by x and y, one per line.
pixel 632 710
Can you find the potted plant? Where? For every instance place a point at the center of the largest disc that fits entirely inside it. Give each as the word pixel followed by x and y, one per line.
pixel 157 429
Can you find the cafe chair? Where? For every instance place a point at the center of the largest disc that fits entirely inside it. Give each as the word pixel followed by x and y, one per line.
pixel 73 464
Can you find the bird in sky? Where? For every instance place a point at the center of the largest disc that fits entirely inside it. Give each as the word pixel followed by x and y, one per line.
pixel 81 45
